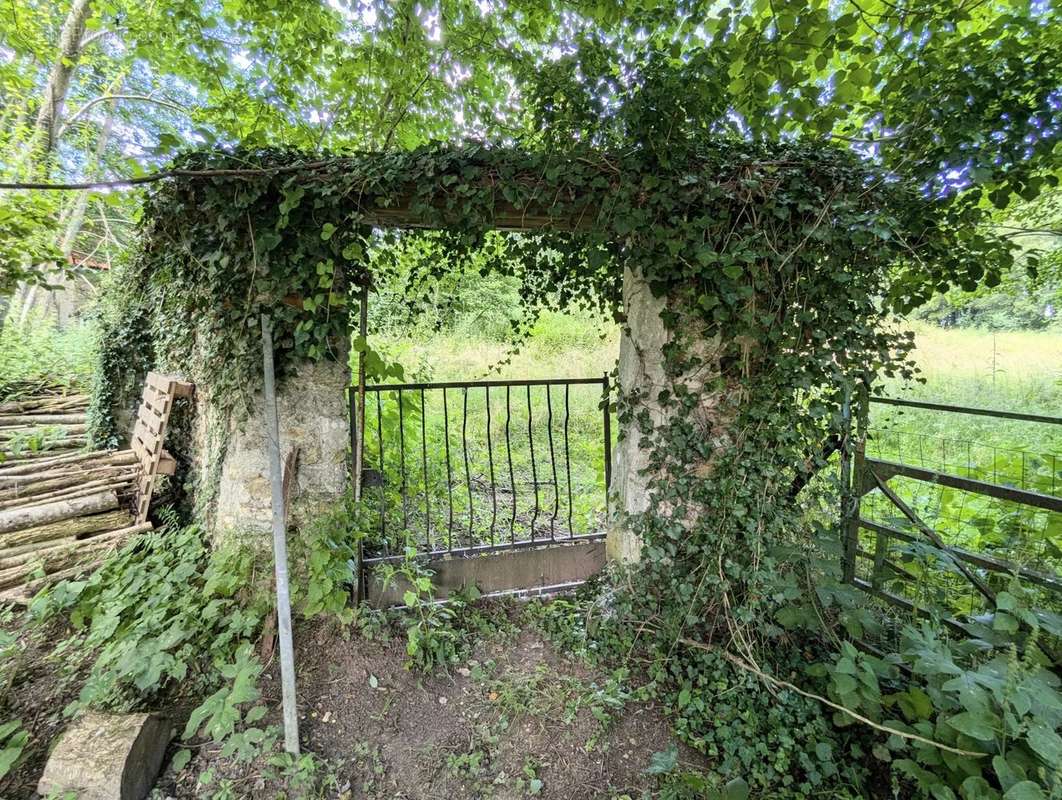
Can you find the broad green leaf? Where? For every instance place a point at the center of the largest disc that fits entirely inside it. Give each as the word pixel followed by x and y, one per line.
pixel 979 725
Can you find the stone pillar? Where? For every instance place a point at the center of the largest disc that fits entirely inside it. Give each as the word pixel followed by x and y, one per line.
pixel 312 410
pixel 641 367
pixel 642 376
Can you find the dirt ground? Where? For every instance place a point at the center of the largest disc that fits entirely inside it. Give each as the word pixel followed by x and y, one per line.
pixel 38 691
pixel 516 720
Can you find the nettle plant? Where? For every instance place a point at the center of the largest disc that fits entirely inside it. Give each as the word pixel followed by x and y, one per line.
pixel 778 265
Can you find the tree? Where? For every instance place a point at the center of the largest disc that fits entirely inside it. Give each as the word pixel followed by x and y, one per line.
pixel 961 94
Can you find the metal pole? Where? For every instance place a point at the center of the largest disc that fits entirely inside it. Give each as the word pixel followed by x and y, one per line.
pixel 359 431
pixel 280 545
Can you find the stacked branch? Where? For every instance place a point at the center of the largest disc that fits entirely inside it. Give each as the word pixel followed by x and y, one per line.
pixel 45 423
pixel 62 510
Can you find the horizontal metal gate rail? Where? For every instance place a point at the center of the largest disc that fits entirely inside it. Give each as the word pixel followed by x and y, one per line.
pixel 475 467
pixel 869 475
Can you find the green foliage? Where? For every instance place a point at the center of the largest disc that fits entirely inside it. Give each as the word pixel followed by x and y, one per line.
pixel 13 741
pixel 1002 709
pixel 36 353
pixel 437 634
pixel 25 240
pixel 218 252
pixel 778 742
pixel 220 717
pixel 124 356
pixel 324 558
pixel 986 705
pixel 785 257
pixel 165 611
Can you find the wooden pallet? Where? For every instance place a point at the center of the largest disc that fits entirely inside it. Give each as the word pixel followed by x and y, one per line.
pixel 149 433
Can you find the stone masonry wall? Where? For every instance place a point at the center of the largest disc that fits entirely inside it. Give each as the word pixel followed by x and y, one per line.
pixel 312 411
pixel 640 365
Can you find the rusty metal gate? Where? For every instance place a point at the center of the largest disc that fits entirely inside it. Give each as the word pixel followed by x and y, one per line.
pixel 497 483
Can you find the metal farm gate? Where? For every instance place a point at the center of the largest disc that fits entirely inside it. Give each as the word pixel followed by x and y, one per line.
pixel 938 524
pixel 501 484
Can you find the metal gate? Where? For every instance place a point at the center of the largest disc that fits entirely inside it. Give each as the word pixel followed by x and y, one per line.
pixel 933 524
pixel 500 483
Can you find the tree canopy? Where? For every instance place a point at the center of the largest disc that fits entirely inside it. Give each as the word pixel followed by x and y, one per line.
pixel 962 96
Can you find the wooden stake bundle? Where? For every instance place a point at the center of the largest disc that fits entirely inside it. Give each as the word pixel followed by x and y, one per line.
pixel 77 527
pixel 49 481
pixel 38 420
pixel 63 510
pixel 14 519
pixel 55 559
pixel 118 484
pixel 31 464
pixel 46 405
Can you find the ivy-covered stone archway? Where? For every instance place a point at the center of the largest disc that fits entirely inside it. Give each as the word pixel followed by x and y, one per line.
pixel 754 281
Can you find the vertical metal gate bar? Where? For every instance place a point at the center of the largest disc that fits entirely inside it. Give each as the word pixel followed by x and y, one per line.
pixel 512 474
pixel 383 481
pixel 449 476
pixel 534 470
pixel 553 463
pixel 490 461
pixel 845 471
pixel 468 474
pixel 851 528
pixel 424 467
pixel 358 408
pixel 568 459
pixel 402 459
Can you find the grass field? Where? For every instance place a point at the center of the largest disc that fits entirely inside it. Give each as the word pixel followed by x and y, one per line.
pixel 1016 371
pixel 541 471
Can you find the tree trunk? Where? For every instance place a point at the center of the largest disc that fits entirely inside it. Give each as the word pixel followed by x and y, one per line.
pixel 53 98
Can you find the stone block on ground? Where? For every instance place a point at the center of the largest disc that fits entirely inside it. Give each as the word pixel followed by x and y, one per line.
pixel 107 757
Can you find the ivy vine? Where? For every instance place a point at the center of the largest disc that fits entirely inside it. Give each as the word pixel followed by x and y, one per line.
pixel 780 265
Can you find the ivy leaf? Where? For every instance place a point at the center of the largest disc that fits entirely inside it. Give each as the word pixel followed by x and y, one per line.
pixel 736 789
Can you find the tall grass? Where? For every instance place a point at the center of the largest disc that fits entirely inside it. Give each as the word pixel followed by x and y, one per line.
pixel 36 352
pixel 459 492
pixel 1014 371
pixel 560 346
pixel 1006 371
